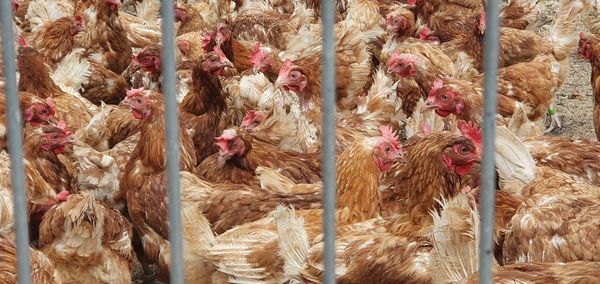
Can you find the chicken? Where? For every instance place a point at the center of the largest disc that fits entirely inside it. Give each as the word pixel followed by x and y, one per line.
pixel 453 21
pixel 55 39
pixel 437 154
pixel 144 70
pixel 530 234
pixel 42 148
pixel 302 75
pixel 190 47
pixel 144 181
pixel 558 41
pixel 251 202
pixel 40 195
pixel 35 112
pixel 106 38
pixel 239 155
pixel 42 269
pixel 237 51
pixel 98 237
pixel 35 79
pixel 197 17
pixel 576 157
pixel 204 108
pixel 238 251
pixel 536 272
pixel 589 48
pixel 455 236
pixel 257 21
pixel 532 83
pixel 142 29
pixel 401 240
pixel 103 85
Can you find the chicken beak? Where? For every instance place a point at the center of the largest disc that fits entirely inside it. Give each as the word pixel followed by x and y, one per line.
pixel 228 64
pixel 429 106
pixel 255 70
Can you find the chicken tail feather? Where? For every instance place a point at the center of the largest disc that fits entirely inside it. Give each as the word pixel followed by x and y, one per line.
pixel 455 237
pixel 514 163
pixel 561 34
pixel 293 242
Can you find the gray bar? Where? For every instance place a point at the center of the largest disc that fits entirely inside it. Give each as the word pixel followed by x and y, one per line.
pixel 328 138
pixel 15 143
pixel 488 166
pixel 172 141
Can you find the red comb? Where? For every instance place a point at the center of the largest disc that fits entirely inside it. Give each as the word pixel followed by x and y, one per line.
pixel 250 114
pixel 424 33
pixel 50 102
pixel 472 132
pixel 63 126
pixel 482 20
pixel 255 52
pixel 286 67
pixel 425 128
pixel 133 92
pixel 219 52
pixel 412 2
pixel 62 196
pixel 21 41
pixel 388 133
pixel 206 41
pixel 437 84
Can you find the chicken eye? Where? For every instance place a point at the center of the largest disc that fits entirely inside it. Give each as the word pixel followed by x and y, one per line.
pixel 387 149
pixel 294 75
pixel 213 58
pixel 55 136
pixel 45 111
pixel 464 149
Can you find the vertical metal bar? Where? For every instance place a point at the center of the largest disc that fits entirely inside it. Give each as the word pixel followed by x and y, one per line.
pixel 172 141
pixel 15 143
pixel 488 167
pixel 328 137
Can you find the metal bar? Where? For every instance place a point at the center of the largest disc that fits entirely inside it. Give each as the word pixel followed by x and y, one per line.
pixel 15 143
pixel 488 166
pixel 172 140
pixel 328 138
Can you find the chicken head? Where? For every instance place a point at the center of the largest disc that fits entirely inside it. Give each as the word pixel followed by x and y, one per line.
pixel 148 58
pixel 78 25
pixel 139 104
pixel 261 58
pixel 230 144
pixel 215 61
pixel 223 34
pixel 113 4
pixel 15 5
pixel 387 150
pixel 461 156
pixel 183 46
pixel 403 65
pixel 481 22
pixel 585 47
pixel 41 112
pixel 444 99
pixel 181 13
pixel 56 138
pixel 291 77
pixel 396 23
pixel 426 35
pixel 253 118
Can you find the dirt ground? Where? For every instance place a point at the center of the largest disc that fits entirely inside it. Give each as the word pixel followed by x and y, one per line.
pixel 574 98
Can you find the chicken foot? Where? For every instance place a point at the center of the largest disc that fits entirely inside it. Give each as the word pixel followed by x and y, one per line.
pixel 554 119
